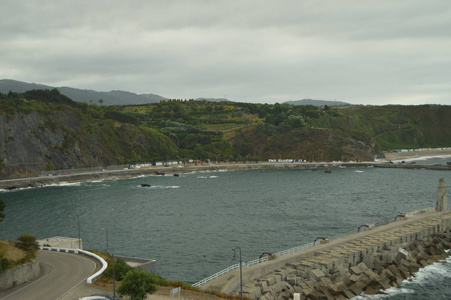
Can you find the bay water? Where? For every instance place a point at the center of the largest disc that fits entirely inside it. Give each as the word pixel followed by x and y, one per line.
pixel 189 224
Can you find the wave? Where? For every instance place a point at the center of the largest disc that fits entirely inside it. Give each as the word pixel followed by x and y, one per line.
pixel 160 187
pixel 428 280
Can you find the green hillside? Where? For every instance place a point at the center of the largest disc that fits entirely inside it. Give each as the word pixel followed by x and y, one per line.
pixel 45 130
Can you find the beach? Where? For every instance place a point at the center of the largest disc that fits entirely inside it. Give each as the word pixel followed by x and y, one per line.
pixel 410 155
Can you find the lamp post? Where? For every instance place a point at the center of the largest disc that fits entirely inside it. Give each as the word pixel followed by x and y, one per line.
pixel 241 271
pixel 112 259
pixel 79 238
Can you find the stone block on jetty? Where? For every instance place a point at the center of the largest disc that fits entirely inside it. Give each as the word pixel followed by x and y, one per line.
pixel 360 266
pixel 355 270
pixel 317 274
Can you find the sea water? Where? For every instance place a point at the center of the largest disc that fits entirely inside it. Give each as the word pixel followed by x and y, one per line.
pixel 189 224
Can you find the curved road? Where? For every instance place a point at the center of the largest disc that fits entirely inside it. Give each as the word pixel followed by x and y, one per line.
pixel 62 273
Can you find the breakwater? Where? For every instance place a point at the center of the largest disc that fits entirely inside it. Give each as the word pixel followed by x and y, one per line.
pixel 365 262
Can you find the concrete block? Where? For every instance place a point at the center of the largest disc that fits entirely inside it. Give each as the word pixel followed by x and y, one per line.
pixel 385 284
pixel 355 270
pixel 362 266
pixel 317 274
pixel 262 284
pixel 293 280
pixel 354 278
pixel 310 283
pixel 270 280
pixel 400 255
pixel 368 260
pixel 341 286
pixel 286 295
pixel 370 291
pixel 349 294
pixel 277 278
pixel 357 287
pixel 346 279
pixel 328 295
pixel 253 293
pixel 340 297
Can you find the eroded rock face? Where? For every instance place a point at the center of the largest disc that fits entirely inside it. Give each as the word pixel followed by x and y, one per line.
pixel 33 142
pixel 36 141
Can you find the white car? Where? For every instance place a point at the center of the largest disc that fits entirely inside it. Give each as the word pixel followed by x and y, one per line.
pixel 97 297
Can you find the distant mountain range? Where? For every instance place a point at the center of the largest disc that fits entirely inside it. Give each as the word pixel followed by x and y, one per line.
pixel 123 97
pixel 318 102
pixel 80 95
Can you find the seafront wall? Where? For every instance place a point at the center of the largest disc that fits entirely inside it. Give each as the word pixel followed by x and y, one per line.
pixel 58 177
pixel 364 262
pixel 16 276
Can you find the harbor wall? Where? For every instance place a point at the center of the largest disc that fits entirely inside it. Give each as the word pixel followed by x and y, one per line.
pixel 364 262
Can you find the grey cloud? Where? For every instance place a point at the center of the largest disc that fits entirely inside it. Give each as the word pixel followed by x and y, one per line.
pixel 365 52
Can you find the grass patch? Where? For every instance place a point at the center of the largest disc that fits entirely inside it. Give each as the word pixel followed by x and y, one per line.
pixel 10 251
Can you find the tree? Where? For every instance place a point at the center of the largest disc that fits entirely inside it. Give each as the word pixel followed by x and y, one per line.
pixel 2 208
pixel 137 283
pixel 101 101
pixel 27 242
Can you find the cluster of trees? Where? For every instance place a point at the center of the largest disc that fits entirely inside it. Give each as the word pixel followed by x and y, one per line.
pixel 135 283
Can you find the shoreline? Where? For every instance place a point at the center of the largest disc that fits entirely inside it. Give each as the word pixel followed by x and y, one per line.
pixel 40 181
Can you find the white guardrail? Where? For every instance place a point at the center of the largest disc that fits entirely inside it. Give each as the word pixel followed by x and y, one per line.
pixel 252 262
pixel 92 278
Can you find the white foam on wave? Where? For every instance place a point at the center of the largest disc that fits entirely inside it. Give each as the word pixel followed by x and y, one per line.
pixel 207 177
pixel 387 293
pixel 63 183
pixel 161 187
pixel 427 276
pixel 441 269
pixel 358 171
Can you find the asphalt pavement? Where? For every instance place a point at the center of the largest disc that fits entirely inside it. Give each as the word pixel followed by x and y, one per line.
pixel 63 276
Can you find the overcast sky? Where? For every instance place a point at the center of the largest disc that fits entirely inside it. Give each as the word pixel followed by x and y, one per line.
pixel 361 52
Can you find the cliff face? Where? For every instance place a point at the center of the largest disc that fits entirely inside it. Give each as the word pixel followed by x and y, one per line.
pixel 32 142
pixel 44 130
pixel 35 141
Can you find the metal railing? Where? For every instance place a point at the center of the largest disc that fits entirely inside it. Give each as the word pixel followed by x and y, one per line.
pixel 252 262
pixel 284 252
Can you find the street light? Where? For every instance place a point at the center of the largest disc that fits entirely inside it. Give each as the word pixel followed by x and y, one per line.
pixel 79 238
pixel 241 271
pixel 112 259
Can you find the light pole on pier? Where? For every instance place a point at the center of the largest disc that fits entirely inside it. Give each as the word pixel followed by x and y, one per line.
pixel 79 238
pixel 241 271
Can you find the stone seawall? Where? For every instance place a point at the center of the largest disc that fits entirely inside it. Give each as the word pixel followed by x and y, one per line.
pixel 364 262
pixel 127 173
pixel 12 277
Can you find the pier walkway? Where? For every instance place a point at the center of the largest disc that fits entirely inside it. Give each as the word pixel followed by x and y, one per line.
pixel 341 253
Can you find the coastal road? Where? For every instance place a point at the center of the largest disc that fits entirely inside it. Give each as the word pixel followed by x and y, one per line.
pixel 62 273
